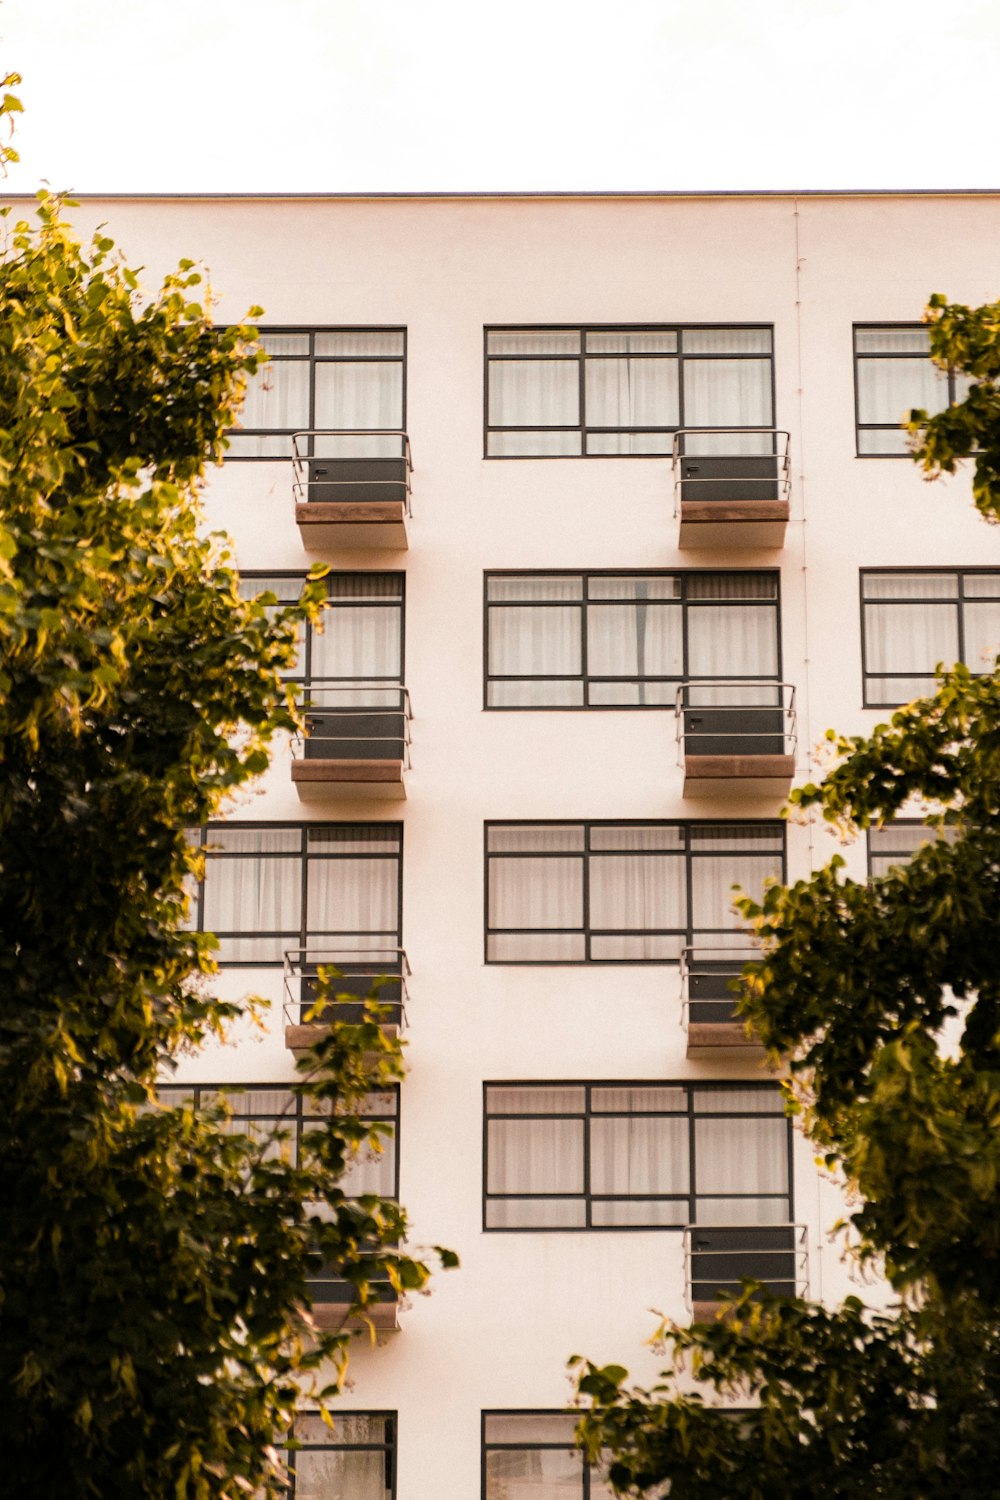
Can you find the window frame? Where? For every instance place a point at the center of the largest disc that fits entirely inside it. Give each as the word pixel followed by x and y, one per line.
pixel 961 572
pixel 689 1087
pixel 902 857
pixel 679 329
pixel 389 1448
pixel 485 1448
pixel 686 825
pixel 296 1121
pixel 302 940
pixel 684 606
pixel 857 357
pixel 312 359
pixel 305 678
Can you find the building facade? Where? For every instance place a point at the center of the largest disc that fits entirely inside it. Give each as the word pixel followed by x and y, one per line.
pixel 620 519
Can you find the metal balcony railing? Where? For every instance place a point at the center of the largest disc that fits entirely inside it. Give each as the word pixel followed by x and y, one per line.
pixel 356 970
pixel 718 1257
pixel 735 717
pixel 356 721
pixel 729 464
pixel 707 974
pixel 352 465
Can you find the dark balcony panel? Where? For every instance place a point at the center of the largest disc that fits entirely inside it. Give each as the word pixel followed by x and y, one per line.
pixel 733 731
pixel 710 998
pixel 354 481
pixel 355 734
pixel 733 477
pixel 356 981
pixel 722 1257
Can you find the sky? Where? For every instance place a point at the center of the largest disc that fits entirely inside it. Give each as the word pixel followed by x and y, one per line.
pixel 524 95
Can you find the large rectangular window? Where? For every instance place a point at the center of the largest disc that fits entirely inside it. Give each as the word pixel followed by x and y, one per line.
pixel 635 1155
pixel 274 887
pixel 354 657
pixel 894 845
pixel 347 380
pixel 573 893
pixel 531 1455
pixel 913 621
pixel 893 374
pixel 626 640
pixel 277 1116
pixel 351 1457
pixel 601 392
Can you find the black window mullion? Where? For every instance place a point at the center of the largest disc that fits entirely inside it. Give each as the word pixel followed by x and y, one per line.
pixel 587 1119
pixel 692 1162
pixel 586 893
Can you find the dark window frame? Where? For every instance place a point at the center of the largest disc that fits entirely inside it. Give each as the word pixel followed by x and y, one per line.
pixel 295 1118
pixel 679 329
pixel 686 825
pixel 310 331
pixel 956 601
pixel 304 675
pixel 302 939
pixel 587 1470
pixel 859 357
pixel 585 575
pixel 689 1087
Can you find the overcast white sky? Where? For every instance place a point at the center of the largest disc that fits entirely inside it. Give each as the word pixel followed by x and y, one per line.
pixel 419 95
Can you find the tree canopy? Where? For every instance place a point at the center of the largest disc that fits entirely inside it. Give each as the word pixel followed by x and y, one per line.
pixel 881 1001
pixel 154 1301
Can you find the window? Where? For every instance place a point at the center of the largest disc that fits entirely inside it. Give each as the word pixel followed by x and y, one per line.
pixel 354 1458
pixel 635 1155
pixel 532 1456
pixel 601 392
pixel 914 621
pixel 355 659
pixel 270 1111
pixel 351 379
pixel 897 842
pixel 625 640
pixel 271 887
pixel 893 374
pixel 573 893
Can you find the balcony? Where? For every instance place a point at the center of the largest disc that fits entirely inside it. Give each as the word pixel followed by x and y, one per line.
pixel 708 999
pixel 356 744
pixel 333 1298
pixel 731 486
pixel 352 488
pixel 717 1257
pixel 356 970
pixel 736 737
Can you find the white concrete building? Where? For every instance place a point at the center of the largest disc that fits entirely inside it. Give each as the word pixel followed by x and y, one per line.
pixel 655 461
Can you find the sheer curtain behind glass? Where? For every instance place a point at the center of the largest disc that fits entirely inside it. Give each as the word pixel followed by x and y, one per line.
pixel 357 389
pixel 341 1475
pixel 360 641
pixel 908 640
pixel 741 1159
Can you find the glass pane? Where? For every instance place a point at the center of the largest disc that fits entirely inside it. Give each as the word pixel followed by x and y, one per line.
pixel 530 1427
pixel 639 1213
pixel 643 694
pixel 640 586
pixel 910 638
pixel 348 1427
pixel 528 641
pixel 534 1156
pixel 533 341
pixel 536 892
pixel 727 341
pixel 542 693
pixel 892 340
pixel 741 1156
pixel 535 1213
pixel 889 388
pixel 278 397
pixel 727 393
pixel 629 891
pixel 732 586
pixel 546 1099
pixel 534 444
pixel 665 836
pixel 359 395
pixel 731 1099
pixel 330 1475
pixel 742 1211
pixel 885 443
pixel 524 838
pixel 632 393
pixel 533 588
pixel 981 585
pixel 753 837
pixel 630 444
pixel 982 635
pixel 734 640
pixel 632 341
pixel 535 948
pixel 638 1100
pixel 635 640
pixel 527 393
pixel 648 947
pixel 252 895
pixel 348 895
pixel 232 839
pixel 359 641
pixel 360 341
pixel 910 585
pixel 285 343
pixel 639 1155
pixel 534 1474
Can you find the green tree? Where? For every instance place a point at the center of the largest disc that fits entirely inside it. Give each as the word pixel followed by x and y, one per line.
pixel 154 1307
pixel 882 1001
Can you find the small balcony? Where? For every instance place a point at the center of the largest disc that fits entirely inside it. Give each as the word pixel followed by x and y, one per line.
pixel 717 1257
pixel 736 737
pixel 356 971
pixel 352 488
pixel 708 999
pixel 333 1298
pixel 731 486
pixel 356 744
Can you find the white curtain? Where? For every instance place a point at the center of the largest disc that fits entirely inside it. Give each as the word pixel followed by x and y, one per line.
pixel 733 640
pixel 248 894
pixel 982 634
pixel 638 1154
pixel 712 880
pixel 742 1155
pixel 353 896
pixel 350 1473
pixel 534 393
pixel 635 640
pixel 359 395
pixel 534 1474
pixel 629 393
pixel 278 395
pixel 637 891
pixel 727 393
pixel 534 893
pixel 909 638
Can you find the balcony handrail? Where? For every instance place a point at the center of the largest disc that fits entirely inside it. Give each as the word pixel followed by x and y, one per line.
pixel 799 1250
pixel 356 711
pixel 300 472
pixel 342 957
pixel 781 456
pixel 785 707
pixel 694 953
